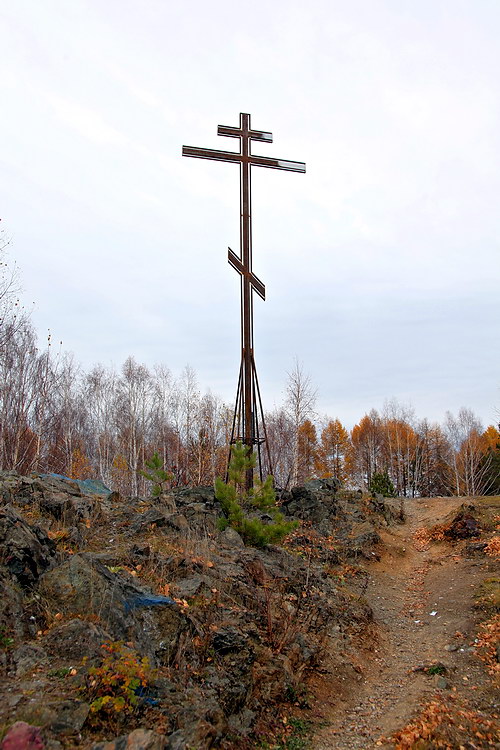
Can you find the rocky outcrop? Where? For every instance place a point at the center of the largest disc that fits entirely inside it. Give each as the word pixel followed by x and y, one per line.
pixel 228 630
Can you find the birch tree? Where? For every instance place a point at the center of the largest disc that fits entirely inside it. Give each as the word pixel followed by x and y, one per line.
pixel 299 405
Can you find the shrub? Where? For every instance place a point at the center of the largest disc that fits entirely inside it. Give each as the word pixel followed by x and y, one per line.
pixel 114 688
pixel 156 474
pixel 237 504
pixel 381 484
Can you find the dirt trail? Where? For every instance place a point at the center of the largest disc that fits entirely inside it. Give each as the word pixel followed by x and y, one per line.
pixel 421 599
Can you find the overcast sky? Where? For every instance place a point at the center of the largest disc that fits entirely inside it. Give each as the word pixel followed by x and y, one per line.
pixel 381 263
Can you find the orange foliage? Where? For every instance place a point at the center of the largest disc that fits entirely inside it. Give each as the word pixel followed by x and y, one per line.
pixel 487 642
pixel 333 451
pixel 444 724
pixel 493 547
pixel 81 468
pixel 491 437
pixel 307 449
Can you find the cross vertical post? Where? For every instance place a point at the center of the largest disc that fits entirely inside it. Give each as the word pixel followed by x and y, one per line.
pixel 248 401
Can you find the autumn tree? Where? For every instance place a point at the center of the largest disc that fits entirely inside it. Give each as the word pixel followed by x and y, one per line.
pixel 333 451
pixel 491 460
pixel 367 448
pixel 307 451
pixel 209 436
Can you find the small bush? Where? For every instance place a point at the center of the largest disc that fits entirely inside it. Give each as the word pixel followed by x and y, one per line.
pixel 381 484
pixel 114 688
pixel 156 474
pixel 237 504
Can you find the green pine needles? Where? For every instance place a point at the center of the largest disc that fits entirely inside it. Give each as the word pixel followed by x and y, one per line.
pixel 156 474
pixel 381 484
pixel 240 508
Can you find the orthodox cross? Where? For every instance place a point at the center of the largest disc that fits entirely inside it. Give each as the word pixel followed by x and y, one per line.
pixel 248 401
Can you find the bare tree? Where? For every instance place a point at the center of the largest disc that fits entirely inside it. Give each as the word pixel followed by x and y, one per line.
pixel 99 389
pixel 469 455
pixel 134 403
pixel 12 314
pixel 299 405
pixel 189 402
pixel 18 376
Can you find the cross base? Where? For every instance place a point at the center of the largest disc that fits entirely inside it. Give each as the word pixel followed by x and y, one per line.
pixel 258 427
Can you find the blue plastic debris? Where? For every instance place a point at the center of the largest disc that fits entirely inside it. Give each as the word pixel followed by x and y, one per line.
pixel 146 695
pixel 87 486
pixel 148 600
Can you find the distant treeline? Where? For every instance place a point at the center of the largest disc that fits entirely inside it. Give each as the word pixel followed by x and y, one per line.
pixel 54 417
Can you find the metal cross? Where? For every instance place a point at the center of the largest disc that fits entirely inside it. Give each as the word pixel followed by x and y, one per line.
pixel 248 389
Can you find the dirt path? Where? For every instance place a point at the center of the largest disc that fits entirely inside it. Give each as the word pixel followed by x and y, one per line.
pixel 421 600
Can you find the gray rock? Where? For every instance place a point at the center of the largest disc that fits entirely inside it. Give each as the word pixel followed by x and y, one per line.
pixel 231 538
pixel 189 495
pixel 192 586
pixel 330 484
pixel 27 657
pixel 242 722
pixel 441 682
pixel 139 739
pixel 390 508
pixel 166 502
pixel 70 509
pixel 75 639
pixel 308 505
pixel 361 540
pixel 68 716
pixel 229 638
pixel 26 550
pixel 177 522
pixel 12 617
pixel 144 520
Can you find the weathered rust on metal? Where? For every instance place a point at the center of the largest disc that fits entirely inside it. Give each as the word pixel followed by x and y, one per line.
pixel 248 405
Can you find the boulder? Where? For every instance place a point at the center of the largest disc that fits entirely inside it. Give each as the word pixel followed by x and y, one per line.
pixel 230 538
pixel 143 521
pixel 84 586
pixel 23 736
pixel 139 739
pixel 308 504
pixel 27 551
pixel 390 508
pixel 12 616
pixel 64 717
pixel 361 541
pixel 189 495
pixel 74 640
pixel 463 525
pixel 229 638
pixel 69 509
pixel 27 657
pixel 192 586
